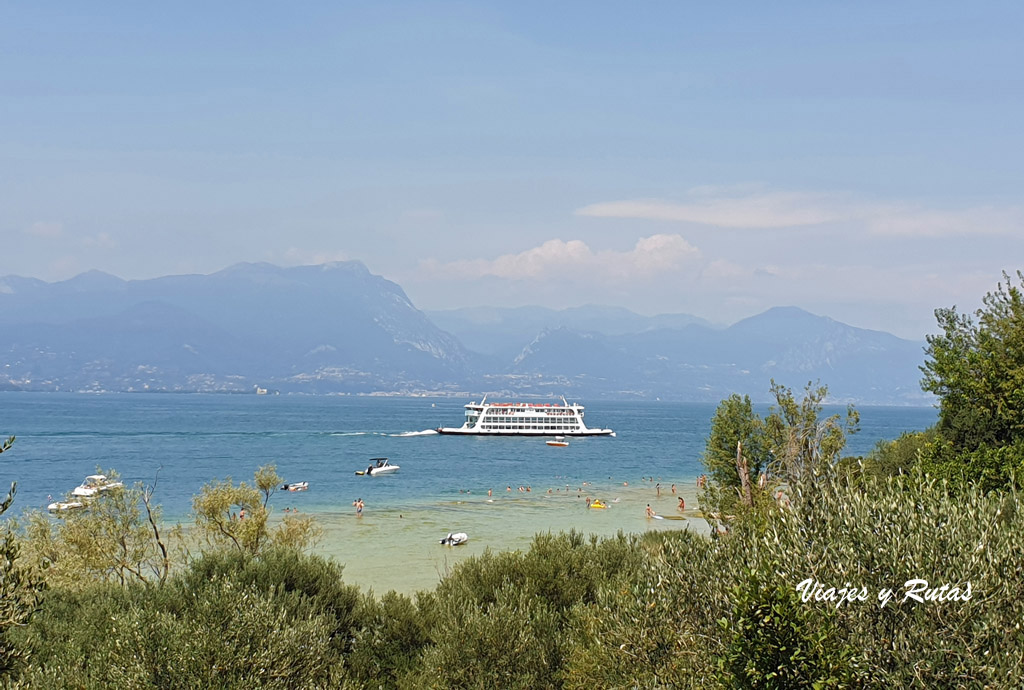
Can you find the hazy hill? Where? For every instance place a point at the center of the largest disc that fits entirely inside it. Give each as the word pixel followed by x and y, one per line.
pixel 330 327
pixel 502 332
pixel 339 328
pixel 701 363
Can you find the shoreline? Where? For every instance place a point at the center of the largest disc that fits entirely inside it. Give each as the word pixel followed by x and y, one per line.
pixel 397 548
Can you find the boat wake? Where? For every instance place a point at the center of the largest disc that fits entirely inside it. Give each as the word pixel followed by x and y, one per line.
pixel 425 432
pixel 350 433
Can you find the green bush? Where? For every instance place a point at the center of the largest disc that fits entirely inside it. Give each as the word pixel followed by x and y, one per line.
pixel 666 610
pixel 770 643
pixel 387 646
pixel 503 620
pixel 879 535
pixel 280 620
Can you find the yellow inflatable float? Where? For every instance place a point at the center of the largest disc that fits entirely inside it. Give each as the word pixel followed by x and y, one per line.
pixel 598 504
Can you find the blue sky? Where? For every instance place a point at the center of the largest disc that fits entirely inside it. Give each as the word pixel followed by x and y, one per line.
pixel 860 160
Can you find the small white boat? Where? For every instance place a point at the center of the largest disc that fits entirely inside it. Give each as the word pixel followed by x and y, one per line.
pixel 455 539
pixel 558 442
pixel 379 466
pixel 94 484
pixel 61 506
pixel 297 486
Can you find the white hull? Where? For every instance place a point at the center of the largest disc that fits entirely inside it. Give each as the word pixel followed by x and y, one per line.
pixel 524 419
pixel 93 485
pixel 390 469
pixel 462 431
pixel 62 506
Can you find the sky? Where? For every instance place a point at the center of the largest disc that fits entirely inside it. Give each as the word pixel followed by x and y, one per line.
pixel 862 161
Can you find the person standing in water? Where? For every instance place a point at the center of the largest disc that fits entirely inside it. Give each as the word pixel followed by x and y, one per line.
pixel 650 511
pixel 358 503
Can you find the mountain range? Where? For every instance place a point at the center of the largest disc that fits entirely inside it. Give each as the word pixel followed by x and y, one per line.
pixel 337 328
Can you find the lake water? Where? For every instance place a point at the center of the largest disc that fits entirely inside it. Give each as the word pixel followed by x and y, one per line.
pixel 442 485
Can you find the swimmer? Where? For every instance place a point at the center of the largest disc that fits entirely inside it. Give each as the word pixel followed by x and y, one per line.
pixel 673 489
pixel 489 492
pixel 650 511
pixel 682 504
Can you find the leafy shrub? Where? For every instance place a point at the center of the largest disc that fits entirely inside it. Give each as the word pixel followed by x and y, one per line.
pixel 502 620
pixel 769 643
pixel 880 535
pixel 278 621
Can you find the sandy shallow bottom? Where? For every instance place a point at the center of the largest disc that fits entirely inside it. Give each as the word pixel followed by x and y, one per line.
pixel 398 549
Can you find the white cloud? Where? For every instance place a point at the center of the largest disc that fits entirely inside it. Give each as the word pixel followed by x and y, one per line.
pixel 711 206
pixel 923 222
pixel 650 256
pixel 744 207
pixel 46 229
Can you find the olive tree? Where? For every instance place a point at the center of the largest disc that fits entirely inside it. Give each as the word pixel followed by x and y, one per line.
pixel 237 516
pixel 118 537
pixel 20 590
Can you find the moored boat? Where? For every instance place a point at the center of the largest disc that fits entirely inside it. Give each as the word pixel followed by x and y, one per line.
pixel 297 486
pixel 95 484
pixel 61 506
pixel 524 419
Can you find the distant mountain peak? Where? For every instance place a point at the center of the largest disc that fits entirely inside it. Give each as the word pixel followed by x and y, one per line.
pixel 92 280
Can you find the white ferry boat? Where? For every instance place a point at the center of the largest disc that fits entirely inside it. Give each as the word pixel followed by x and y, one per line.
pixel 524 419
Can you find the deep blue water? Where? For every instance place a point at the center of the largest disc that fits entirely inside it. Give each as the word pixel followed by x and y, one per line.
pixel 192 439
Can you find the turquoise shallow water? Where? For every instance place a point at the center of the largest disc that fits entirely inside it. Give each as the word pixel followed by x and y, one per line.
pixel 441 487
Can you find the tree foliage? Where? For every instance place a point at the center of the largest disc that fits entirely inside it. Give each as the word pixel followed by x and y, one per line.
pixel 237 516
pixel 230 620
pixel 20 589
pixel 791 443
pixel 117 537
pixel 723 612
pixel 976 368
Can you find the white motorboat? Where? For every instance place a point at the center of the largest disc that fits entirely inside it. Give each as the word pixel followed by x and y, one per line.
pixel 379 466
pixel 95 484
pixel 524 419
pixel 61 506
pixel 558 442
pixel 455 539
pixel 297 486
